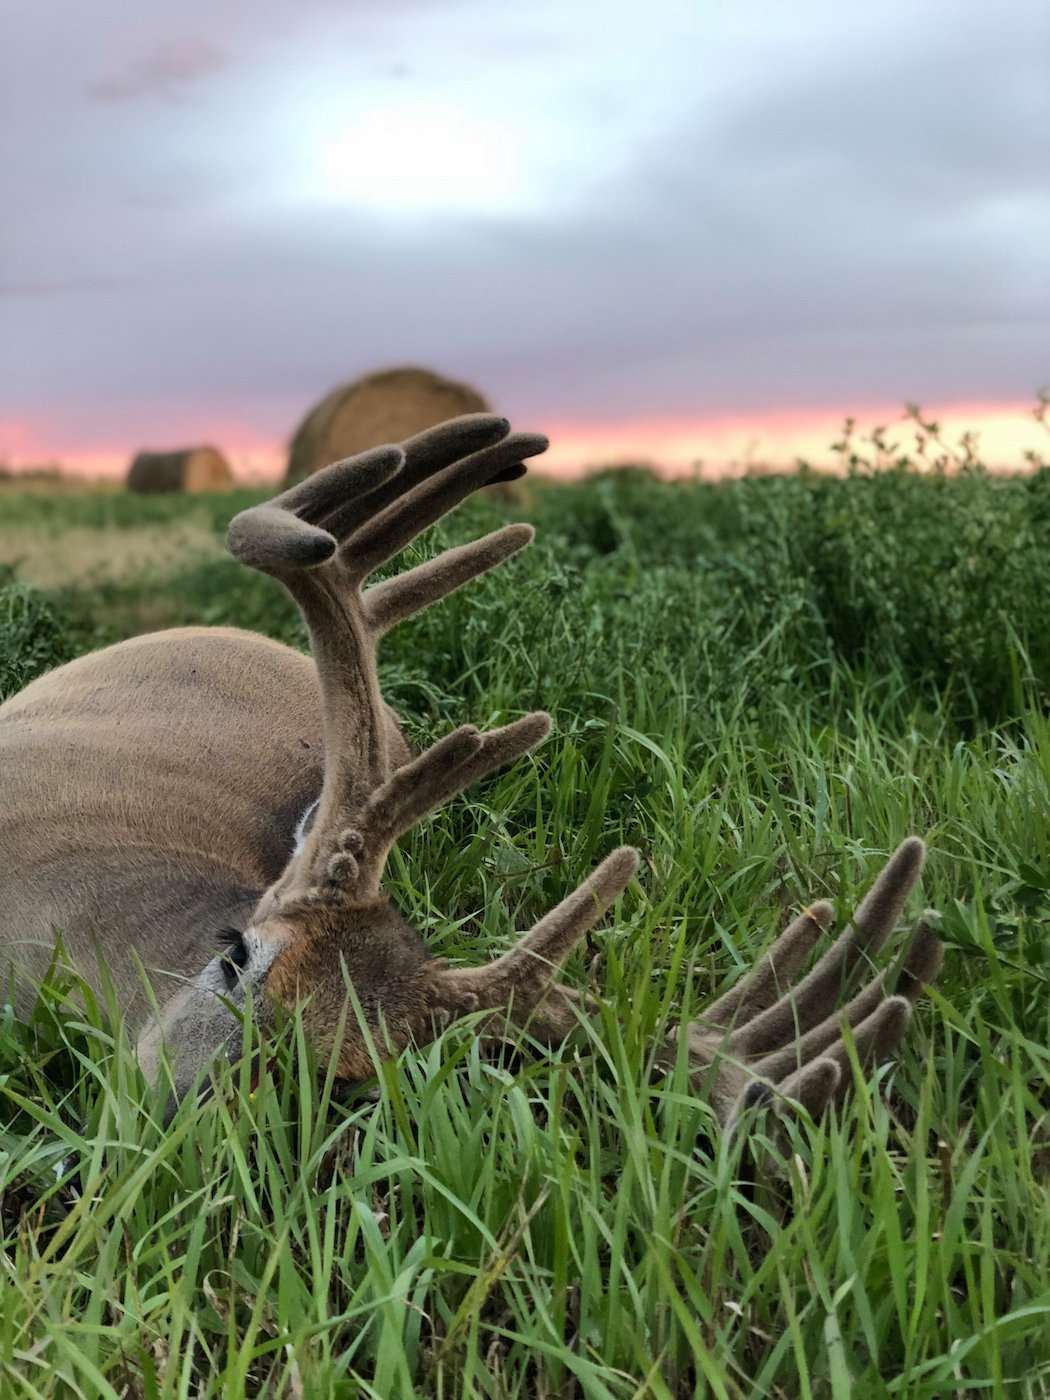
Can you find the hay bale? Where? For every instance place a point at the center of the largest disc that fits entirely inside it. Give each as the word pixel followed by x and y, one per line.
pixel 388 406
pixel 192 469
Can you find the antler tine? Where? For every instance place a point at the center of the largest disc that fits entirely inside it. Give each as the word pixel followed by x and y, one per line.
pixel 318 494
pixel 802 1008
pixel 288 532
pixel 342 496
pixel 812 1087
pixel 390 602
pixel 523 976
pixel 440 773
pixel 449 767
pixel 875 1038
pixel 921 966
pixel 385 534
pixel 771 977
pixel 438 447
pixel 321 539
pixel 924 960
pixel 307 523
pixel 798 1050
pixel 425 455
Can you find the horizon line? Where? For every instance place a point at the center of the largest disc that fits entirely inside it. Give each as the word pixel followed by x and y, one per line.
pixel 781 438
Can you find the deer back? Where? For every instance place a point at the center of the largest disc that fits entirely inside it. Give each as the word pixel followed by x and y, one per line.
pixel 152 791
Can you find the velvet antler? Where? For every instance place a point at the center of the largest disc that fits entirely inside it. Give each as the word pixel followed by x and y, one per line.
pixel 322 539
pixel 768 1038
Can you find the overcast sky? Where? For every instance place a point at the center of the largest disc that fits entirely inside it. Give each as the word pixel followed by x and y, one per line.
pixel 602 214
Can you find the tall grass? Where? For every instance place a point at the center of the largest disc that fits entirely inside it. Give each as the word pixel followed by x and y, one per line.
pixel 764 685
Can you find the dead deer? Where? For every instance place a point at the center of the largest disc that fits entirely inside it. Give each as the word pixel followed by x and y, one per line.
pixel 179 784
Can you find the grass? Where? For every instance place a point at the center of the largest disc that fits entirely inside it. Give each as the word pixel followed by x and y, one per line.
pixel 764 685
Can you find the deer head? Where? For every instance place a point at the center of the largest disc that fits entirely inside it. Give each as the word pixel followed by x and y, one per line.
pixel 326 919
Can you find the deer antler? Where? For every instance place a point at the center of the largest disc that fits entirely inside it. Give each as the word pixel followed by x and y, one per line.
pixel 322 539
pixel 766 1039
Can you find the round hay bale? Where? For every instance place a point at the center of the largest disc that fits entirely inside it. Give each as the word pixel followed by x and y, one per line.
pixel 192 469
pixel 387 406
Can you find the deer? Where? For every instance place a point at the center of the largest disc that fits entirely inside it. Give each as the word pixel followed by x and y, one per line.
pixel 204 815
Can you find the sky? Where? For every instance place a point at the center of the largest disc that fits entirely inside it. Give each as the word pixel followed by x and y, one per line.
pixel 673 230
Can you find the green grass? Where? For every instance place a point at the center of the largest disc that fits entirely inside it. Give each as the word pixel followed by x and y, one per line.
pixel 764 685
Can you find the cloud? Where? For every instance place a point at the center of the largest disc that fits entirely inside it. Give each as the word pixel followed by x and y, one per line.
pixel 165 73
pixel 718 212
pixel 58 287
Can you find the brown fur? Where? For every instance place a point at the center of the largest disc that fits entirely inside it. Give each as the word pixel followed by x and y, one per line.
pixel 378 952
pixel 145 784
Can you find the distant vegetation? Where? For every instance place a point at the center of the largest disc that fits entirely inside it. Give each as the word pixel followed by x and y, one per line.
pixel 934 582
pixel 765 684
pixel 32 638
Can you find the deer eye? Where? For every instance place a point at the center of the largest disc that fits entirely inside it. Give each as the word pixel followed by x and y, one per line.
pixel 234 957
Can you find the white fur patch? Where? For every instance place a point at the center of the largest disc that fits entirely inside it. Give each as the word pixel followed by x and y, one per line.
pixel 302 826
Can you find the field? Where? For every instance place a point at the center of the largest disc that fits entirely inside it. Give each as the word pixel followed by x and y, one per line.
pixel 764 685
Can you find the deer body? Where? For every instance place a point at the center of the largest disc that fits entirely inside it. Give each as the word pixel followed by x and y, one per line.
pixel 152 792
pixel 154 795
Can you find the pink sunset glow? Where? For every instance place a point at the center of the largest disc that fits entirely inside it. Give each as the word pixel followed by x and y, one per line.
pixel 718 446
pixel 721 446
